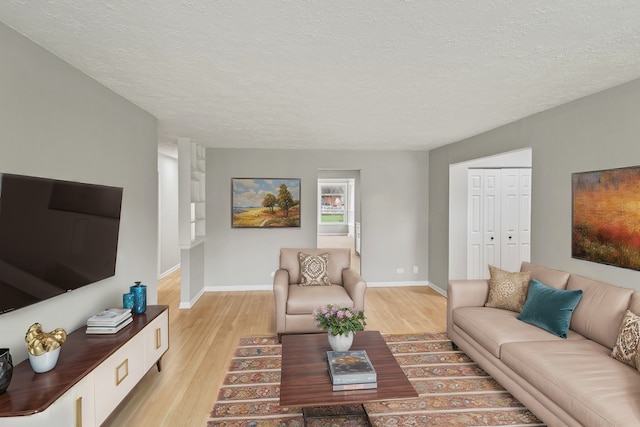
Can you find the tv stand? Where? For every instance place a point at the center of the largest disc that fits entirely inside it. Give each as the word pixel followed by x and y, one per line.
pixel 93 375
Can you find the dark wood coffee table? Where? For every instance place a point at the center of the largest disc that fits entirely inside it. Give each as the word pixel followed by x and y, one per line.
pixel 305 377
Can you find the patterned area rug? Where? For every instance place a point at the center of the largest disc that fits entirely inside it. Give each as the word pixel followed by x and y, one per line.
pixel 453 391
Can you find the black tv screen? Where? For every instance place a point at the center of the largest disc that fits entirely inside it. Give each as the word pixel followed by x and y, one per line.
pixel 55 236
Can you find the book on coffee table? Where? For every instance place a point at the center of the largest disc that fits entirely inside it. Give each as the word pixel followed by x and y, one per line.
pixel 351 368
pixel 360 386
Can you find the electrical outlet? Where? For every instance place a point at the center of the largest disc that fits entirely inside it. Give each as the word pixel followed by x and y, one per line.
pixel 273 274
pixel 400 270
pixel 415 269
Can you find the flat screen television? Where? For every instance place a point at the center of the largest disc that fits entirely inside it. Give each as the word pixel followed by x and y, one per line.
pixel 55 236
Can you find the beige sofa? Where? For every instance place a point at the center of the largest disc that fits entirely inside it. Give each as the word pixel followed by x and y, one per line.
pixel 294 304
pixel 565 382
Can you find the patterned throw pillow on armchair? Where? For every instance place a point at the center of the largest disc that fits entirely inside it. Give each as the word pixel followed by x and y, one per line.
pixel 313 269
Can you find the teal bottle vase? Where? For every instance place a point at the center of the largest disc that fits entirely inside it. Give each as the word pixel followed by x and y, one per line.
pixel 139 292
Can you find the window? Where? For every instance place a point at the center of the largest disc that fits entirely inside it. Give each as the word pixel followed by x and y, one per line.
pixel 333 202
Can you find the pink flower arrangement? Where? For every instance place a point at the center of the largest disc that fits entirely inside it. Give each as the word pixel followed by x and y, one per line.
pixel 339 320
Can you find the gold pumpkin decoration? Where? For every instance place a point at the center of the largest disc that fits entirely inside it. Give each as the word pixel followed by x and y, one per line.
pixel 40 342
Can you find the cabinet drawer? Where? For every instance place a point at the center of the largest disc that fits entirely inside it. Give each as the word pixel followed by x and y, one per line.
pixel 83 402
pixel 117 375
pixel 157 339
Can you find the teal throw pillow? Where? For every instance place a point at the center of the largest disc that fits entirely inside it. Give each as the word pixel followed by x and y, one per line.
pixel 549 308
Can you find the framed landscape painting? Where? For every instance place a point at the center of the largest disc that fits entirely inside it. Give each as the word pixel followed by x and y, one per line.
pixel 606 217
pixel 265 202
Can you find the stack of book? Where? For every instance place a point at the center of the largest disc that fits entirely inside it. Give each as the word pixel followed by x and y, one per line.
pixel 109 321
pixel 351 370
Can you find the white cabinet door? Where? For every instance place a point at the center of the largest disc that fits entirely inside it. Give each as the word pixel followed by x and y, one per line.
pixel 117 375
pixel 156 339
pixel 84 402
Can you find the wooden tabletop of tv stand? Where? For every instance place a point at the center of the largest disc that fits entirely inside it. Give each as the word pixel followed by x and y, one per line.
pixel 29 393
pixel 305 377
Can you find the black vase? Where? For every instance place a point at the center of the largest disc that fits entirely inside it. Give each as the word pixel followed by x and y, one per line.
pixel 6 369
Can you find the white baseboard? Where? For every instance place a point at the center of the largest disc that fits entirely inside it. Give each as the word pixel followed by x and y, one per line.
pixel 395 284
pixel 169 271
pixel 231 288
pixel 438 289
pixel 269 287
pixel 191 303
pixel 400 284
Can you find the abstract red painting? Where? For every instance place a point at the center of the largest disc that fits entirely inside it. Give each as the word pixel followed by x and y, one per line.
pixel 606 217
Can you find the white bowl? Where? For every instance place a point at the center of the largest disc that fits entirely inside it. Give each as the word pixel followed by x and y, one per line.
pixel 45 362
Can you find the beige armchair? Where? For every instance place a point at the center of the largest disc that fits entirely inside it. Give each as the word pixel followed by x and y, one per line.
pixel 294 303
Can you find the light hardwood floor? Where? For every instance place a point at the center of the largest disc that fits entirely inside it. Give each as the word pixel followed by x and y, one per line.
pixel 202 340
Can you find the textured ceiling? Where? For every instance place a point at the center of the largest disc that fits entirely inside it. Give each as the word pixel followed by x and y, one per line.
pixel 379 74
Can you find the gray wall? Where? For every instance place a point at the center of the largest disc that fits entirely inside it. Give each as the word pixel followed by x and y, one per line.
pixel 168 248
pixel 57 122
pixel 192 268
pixel 393 201
pixel 596 132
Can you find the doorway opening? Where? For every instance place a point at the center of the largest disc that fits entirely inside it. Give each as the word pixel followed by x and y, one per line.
pixel 338 213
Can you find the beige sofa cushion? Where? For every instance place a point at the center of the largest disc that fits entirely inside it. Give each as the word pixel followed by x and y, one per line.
pixel 555 278
pixel 634 305
pixel 580 376
pixel 600 311
pixel 493 327
pixel 302 300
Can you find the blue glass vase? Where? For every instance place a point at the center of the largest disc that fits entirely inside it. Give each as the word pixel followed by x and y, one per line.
pixel 139 292
pixel 128 301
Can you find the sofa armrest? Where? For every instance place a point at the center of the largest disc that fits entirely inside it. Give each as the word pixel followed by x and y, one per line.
pixel 355 286
pixel 465 293
pixel 280 294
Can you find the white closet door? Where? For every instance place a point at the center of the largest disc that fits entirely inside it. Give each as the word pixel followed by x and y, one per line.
pixel 475 246
pixel 499 220
pixel 492 218
pixel 483 223
pixel 516 218
pixel 510 259
pixel 525 216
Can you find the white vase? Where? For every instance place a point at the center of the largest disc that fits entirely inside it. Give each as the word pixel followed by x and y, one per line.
pixel 44 362
pixel 340 342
